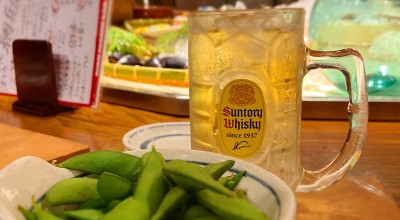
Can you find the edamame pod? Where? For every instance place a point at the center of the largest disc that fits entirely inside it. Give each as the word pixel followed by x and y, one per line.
pixel 144 158
pixel 96 162
pixel 241 194
pixel 169 183
pixel 82 214
pixel 196 211
pixel 209 217
pixel 216 170
pixel 112 205
pixel 72 191
pixel 223 206
pixel 97 203
pixel 129 209
pixel 42 214
pixel 192 177
pixel 29 215
pixel 112 187
pixel 151 187
pixel 173 200
pixel 232 181
pixel 223 180
pixel 235 180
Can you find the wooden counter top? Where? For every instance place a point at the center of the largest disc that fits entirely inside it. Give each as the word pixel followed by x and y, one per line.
pixel 378 167
pixel 17 142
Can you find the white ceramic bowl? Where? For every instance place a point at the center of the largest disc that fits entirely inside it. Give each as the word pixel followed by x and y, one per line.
pixel 29 176
pixel 164 134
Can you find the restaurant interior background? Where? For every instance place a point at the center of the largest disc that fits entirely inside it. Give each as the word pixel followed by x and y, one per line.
pixel 192 5
pixel 325 90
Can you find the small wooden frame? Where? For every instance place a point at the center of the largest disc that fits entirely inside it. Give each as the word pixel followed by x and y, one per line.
pixel 35 79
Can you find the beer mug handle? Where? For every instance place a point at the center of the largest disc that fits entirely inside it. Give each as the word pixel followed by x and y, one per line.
pixel 357 115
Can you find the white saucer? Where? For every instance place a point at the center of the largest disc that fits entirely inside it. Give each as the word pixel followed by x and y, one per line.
pixel 162 135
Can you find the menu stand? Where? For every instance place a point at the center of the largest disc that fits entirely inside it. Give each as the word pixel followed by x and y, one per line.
pixel 35 79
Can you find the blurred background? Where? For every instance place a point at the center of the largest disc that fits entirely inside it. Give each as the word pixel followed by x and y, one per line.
pixel 149 38
pixel 121 9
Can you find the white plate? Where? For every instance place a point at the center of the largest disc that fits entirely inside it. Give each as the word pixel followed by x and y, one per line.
pixel 29 176
pixel 170 135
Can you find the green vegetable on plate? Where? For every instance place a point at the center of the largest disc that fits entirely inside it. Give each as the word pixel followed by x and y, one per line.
pixel 117 186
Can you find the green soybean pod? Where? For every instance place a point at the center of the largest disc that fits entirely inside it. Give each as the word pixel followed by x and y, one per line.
pixel 96 162
pixel 42 214
pixel 129 209
pixel 224 179
pixel 173 200
pixel 144 158
pixel 151 186
pixel 196 211
pixel 82 214
pixel 192 177
pixel 72 191
pixel 229 208
pixel 112 205
pixel 235 180
pixel 209 217
pixel 112 187
pixel 96 203
pixel 241 194
pixel 28 214
pixel 216 170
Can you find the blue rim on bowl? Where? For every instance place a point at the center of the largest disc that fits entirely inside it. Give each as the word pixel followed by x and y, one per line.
pixel 166 134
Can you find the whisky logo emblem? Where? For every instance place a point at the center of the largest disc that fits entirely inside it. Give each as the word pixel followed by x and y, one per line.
pixel 241 117
pixel 241 95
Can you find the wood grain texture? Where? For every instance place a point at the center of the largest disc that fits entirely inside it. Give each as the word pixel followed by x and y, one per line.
pixel 104 127
pixel 101 128
pixel 380 159
pixel 17 142
pixel 350 198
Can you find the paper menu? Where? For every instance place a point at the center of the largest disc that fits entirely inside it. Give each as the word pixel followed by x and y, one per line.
pixel 75 28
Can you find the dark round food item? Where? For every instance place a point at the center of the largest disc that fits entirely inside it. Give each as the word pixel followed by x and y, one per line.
pixel 153 62
pixel 130 60
pixel 174 62
pixel 113 57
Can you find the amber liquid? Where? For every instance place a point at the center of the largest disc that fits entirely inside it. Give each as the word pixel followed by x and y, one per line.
pixel 272 56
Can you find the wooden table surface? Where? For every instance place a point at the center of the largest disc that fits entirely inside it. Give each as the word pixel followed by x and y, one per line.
pixel 375 177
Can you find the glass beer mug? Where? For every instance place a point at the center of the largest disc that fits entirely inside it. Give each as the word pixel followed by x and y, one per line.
pixel 246 72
